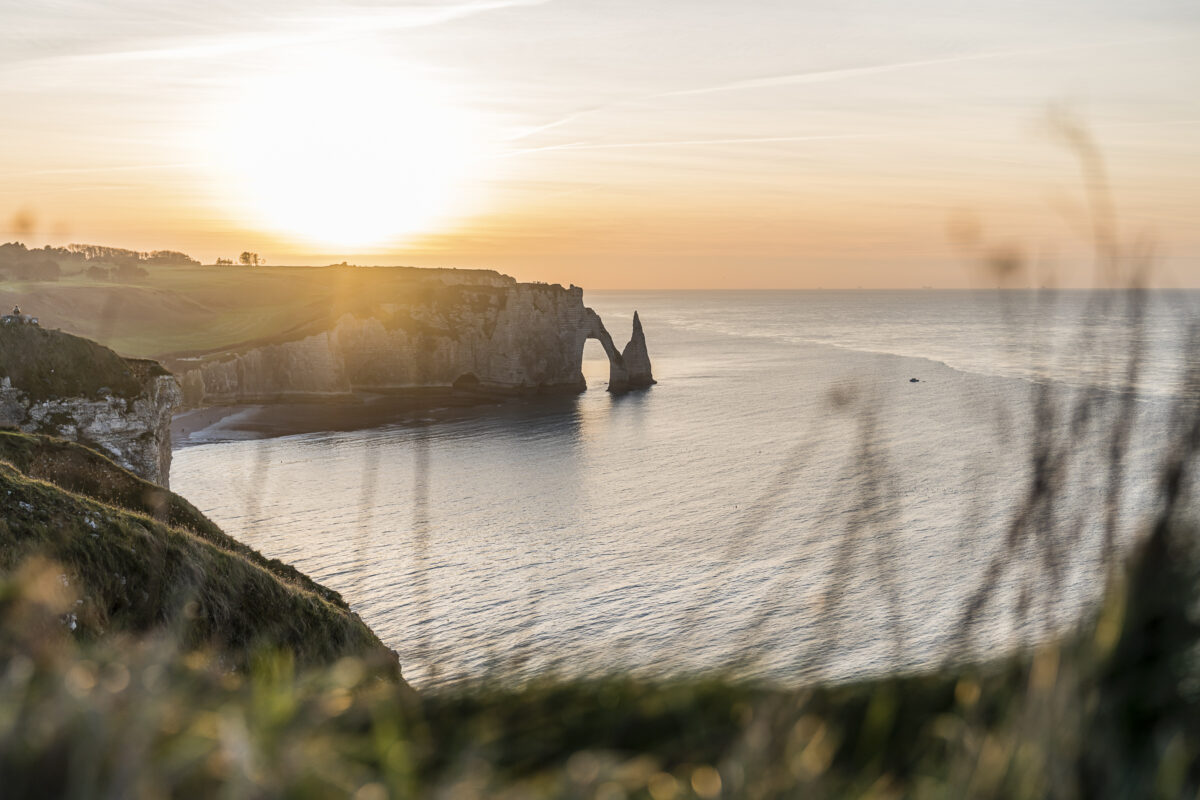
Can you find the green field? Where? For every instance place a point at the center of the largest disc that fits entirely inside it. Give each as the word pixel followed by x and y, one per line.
pixel 179 310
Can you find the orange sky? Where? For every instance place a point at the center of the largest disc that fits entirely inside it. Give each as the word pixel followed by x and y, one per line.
pixel 609 144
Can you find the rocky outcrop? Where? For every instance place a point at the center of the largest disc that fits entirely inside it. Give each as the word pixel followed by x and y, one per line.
pixel 61 385
pixel 138 559
pixel 637 359
pixel 630 368
pixel 495 337
pixel 618 376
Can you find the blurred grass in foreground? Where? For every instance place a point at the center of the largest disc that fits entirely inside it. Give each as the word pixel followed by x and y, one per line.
pixel 1110 712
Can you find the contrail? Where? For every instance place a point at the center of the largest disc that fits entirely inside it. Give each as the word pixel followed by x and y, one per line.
pixel 694 142
pixel 100 170
pixel 825 76
pixel 535 130
pixel 324 30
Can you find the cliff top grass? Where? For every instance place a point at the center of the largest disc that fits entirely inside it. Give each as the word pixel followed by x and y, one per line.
pixel 177 311
pixel 129 572
pixel 48 364
pixel 80 470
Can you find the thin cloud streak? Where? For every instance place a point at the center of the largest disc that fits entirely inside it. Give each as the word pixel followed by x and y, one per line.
pixel 697 142
pixel 102 170
pixel 821 76
pixel 825 76
pixel 325 30
pixel 558 123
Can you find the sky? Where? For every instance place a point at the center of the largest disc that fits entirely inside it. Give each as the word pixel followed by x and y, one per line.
pixel 613 144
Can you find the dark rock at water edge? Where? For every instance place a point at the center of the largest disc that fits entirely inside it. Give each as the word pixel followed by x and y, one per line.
pixel 637 359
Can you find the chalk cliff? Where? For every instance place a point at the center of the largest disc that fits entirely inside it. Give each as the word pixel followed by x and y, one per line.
pixel 62 385
pixel 492 337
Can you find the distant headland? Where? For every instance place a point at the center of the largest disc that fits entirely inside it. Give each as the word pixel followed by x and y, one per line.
pixel 255 334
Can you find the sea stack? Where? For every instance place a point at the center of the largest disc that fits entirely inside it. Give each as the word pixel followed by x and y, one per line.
pixel 637 359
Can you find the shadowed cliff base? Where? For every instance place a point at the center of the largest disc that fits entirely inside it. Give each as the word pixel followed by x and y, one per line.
pixel 349 413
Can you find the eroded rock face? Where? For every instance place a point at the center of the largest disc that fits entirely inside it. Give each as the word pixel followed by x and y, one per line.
pixel 618 376
pixel 501 338
pixel 637 359
pixel 135 432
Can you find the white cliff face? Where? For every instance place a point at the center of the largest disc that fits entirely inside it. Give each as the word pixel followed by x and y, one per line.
pixel 133 432
pixel 500 337
pixel 306 367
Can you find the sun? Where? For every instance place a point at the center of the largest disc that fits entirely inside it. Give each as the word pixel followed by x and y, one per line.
pixel 348 152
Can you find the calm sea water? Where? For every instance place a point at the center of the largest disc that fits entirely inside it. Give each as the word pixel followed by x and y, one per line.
pixel 784 503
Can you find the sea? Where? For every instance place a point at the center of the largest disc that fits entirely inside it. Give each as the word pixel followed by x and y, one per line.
pixel 823 485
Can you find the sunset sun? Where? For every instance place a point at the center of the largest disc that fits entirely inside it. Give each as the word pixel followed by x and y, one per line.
pixel 348 153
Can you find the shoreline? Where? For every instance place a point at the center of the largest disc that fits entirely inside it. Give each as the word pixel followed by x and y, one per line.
pixel 252 421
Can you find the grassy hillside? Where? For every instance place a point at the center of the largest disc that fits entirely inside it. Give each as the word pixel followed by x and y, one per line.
pixel 134 559
pixel 178 310
pixel 49 363
pixel 80 470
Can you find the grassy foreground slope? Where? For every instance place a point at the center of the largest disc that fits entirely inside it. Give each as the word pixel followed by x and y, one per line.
pixel 1110 713
pixel 80 470
pixel 143 654
pixel 129 557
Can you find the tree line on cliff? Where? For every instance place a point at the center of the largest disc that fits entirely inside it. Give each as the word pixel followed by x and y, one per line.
pixel 18 262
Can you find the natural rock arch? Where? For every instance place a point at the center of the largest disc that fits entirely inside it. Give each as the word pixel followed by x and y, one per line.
pixel 501 338
pixel 626 370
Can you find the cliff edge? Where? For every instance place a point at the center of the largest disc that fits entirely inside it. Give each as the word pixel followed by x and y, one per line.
pixel 62 385
pixel 413 331
pixel 119 555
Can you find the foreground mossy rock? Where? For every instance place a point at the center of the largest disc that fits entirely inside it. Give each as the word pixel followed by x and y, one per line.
pixel 58 384
pixel 138 559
